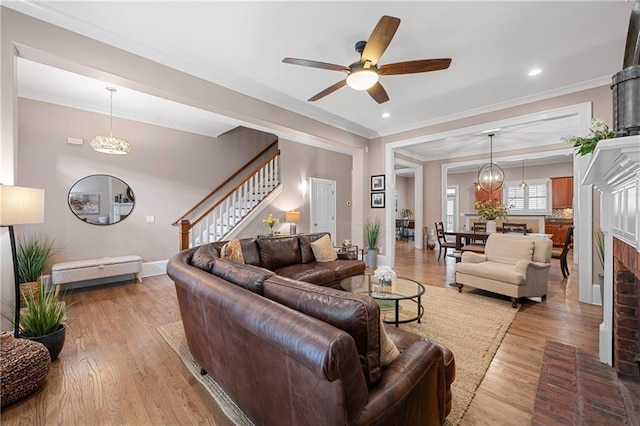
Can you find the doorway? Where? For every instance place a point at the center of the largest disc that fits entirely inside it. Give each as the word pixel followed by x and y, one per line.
pixel 322 205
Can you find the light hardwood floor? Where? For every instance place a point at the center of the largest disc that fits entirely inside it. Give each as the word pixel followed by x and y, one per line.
pixel 116 369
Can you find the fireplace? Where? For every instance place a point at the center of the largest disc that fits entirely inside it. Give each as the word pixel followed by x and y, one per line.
pixel 626 309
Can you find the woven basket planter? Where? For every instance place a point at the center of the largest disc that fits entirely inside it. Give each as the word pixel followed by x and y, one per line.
pixel 24 365
pixel 29 290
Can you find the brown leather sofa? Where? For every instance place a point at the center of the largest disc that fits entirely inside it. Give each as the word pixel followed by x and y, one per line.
pixel 290 257
pixel 293 353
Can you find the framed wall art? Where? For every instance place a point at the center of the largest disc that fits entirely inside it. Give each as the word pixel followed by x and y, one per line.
pixel 377 200
pixel 84 203
pixel 377 183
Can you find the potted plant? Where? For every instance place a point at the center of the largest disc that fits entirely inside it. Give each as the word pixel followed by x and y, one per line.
pixel 33 254
pixel 406 213
pixel 41 320
pixel 491 210
pixel 372 232
pixel 598 131
pixel 271 222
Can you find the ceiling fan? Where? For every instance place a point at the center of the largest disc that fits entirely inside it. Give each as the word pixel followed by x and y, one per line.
pixel 364 74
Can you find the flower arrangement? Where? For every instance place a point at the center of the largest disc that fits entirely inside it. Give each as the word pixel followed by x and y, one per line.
pixel 271 222
pixel 384 273
pixel 598 131
pixel 491 209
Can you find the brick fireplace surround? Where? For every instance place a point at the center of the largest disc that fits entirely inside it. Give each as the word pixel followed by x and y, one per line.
pixel 626 309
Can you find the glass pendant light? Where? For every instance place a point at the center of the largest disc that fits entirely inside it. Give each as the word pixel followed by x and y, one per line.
pixel 523 184
pixel 491 176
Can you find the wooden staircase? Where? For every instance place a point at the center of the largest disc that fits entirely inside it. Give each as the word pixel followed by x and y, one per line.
pixel 231 209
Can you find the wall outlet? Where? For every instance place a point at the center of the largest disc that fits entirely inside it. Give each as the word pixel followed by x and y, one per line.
pixel 150 219
pixel 75 141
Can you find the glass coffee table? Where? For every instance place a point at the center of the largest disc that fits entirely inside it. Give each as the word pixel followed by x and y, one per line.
pixel 388 297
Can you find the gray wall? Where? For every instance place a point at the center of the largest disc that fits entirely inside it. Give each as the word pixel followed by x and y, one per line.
pixel 168 170
pixel 300 162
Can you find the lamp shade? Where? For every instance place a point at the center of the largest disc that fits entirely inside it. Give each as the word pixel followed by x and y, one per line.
pixel 20 205
pixel 292 217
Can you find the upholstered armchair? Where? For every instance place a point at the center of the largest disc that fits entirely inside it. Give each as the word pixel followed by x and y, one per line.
pixel 513 265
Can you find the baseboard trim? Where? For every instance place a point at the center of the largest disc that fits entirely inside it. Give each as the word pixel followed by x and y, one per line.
pixel 151 269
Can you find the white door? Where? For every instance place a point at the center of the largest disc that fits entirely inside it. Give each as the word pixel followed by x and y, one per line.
pixel 323 206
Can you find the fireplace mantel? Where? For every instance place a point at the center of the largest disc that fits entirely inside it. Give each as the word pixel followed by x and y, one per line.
pixel 615 171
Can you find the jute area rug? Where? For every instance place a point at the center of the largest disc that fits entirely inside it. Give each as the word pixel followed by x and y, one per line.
pixel 472 326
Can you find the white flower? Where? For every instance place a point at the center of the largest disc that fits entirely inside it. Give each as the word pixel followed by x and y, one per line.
pixel 384 273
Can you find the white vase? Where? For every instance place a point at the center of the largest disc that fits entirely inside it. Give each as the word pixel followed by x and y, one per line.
pixel 491 226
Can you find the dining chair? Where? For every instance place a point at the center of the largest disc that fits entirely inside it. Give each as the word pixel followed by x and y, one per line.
pixel 478 227
pixel 444 244
pixel 562 254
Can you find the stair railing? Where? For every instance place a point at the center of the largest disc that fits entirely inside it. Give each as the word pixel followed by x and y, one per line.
pixel 221 218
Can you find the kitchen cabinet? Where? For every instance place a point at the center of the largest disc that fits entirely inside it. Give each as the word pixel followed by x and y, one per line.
pixel 559 231
pixel 562 192
pixel 485 196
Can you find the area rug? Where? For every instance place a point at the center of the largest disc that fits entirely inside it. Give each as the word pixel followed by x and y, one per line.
pixel 173 334
pixel 472 326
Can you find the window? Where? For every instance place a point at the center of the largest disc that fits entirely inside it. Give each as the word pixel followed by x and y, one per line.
pixel 451 221
pixel 532 199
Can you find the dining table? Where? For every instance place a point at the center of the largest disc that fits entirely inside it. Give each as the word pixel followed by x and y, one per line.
pixel 467 236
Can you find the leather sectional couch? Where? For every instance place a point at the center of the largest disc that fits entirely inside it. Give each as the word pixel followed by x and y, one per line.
pixel 291 353
pixel 290 257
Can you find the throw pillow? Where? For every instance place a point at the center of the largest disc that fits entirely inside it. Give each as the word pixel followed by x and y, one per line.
pixel 233 251
pixel 204 257
pixel 323 250
pixel 388 349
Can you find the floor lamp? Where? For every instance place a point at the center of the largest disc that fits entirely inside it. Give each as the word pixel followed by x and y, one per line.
pixel 19 206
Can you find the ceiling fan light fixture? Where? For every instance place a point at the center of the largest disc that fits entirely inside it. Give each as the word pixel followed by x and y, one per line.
pixel 362 79
pixel 109 144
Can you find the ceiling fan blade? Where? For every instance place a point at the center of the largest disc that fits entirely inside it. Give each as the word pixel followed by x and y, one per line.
pixel 411 67
pixel 314 64
pixel 378 93
pixel 379 39
pixel 328 90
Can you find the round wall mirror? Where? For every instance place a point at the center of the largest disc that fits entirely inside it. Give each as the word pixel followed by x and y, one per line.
pixel 101 199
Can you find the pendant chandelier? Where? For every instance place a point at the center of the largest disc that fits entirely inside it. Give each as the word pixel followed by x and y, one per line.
pixel 523 184
pixel 109 144
pixel 491 176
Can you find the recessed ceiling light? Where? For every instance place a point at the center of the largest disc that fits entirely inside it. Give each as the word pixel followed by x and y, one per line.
pixel 386 115
pixel 534 71
pixel 491 130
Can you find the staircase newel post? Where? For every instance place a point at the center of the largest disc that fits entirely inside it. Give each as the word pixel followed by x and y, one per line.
pixel 185 226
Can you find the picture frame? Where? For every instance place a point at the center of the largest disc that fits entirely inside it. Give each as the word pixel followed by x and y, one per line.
pixel 84 203
pixel 377 200
pixel 377 183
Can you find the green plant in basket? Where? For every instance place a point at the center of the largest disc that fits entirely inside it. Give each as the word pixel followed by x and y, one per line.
pixel 33 254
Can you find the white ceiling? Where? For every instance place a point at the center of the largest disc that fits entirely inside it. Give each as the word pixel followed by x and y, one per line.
pixel 241 45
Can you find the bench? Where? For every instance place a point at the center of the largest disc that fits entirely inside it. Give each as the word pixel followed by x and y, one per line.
pixel 82 270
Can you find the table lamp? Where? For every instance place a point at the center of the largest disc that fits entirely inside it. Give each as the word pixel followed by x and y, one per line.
pixel 19 206
pixel 293 218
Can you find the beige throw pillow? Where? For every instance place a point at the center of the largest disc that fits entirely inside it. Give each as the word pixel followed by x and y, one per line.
pixel 323 250
pixel 232 250
pixel 388 349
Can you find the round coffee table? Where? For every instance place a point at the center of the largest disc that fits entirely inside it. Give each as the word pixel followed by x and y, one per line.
pixel 388 297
